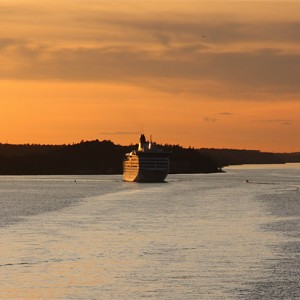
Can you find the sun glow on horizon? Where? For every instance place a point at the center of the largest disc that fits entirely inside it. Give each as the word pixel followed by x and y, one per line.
pixel 200 74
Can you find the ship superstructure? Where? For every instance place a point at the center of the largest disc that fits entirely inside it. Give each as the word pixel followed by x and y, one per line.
pixel 146 164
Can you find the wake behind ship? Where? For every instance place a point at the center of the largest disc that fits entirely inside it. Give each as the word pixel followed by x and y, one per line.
pixel 147 164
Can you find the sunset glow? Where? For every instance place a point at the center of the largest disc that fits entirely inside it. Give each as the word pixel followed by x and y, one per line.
pixel 221 74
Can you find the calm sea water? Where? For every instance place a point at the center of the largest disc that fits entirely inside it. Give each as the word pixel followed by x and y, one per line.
pixel 202 236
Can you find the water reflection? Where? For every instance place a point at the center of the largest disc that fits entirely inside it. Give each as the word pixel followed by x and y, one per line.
pixel 198 237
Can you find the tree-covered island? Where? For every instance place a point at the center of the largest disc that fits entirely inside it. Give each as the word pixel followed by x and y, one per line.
pixel 105 157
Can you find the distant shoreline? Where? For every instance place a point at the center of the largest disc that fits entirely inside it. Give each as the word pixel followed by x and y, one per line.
pixel 104 157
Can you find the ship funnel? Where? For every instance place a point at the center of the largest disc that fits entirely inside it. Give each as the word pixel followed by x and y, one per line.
pixel 142 139
pixel 142 143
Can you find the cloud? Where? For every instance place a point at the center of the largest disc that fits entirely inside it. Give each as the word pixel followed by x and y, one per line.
pixel 239 59
pixel 265 71
pixel 226 113
pixel 21 12
pixel 4 43
pixel 277 121
pixel 208 119
pixel 215 28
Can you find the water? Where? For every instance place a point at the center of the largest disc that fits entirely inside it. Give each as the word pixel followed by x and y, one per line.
pixel 202 236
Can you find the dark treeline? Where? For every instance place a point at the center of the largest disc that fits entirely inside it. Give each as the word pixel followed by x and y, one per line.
pixel 104 157
pixel 8 150
pixel 290 157
pixel 90 157
pixel 190 160
pixel 227 157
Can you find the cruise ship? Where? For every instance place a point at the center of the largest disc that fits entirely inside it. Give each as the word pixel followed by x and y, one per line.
pixel 146 164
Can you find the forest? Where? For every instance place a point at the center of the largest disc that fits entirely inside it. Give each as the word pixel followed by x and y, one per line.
pixel 105 157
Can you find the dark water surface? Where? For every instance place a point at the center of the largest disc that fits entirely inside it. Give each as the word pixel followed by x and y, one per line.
pixel 212 236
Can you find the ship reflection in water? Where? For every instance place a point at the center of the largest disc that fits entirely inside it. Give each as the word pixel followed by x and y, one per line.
pixel 146 164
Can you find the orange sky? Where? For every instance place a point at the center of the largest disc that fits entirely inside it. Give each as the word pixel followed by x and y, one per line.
pixel 221 74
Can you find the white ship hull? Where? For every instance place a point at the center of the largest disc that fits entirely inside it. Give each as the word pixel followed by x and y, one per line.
pixel 145 175
pixel 146 165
